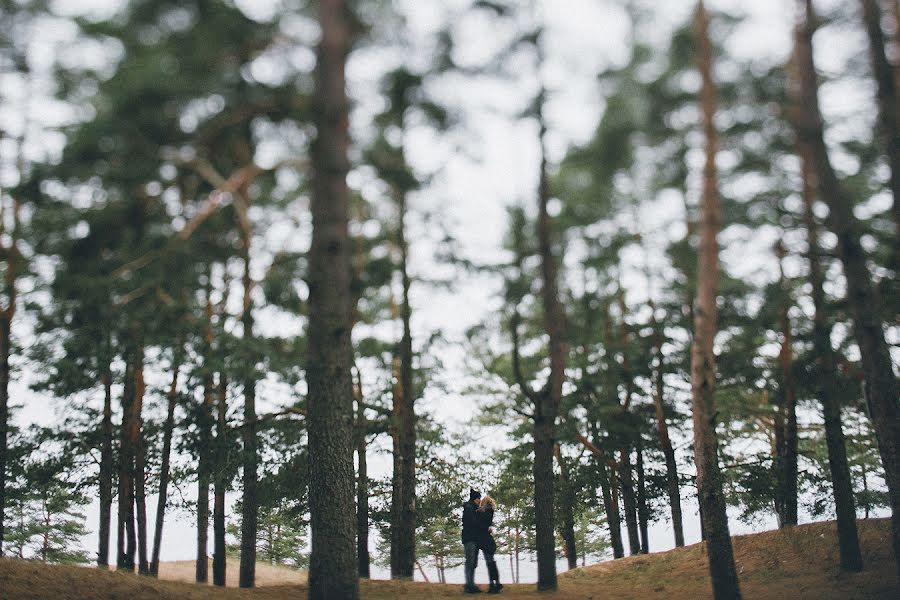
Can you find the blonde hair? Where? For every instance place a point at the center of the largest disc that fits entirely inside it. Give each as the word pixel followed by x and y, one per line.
pixel 485 502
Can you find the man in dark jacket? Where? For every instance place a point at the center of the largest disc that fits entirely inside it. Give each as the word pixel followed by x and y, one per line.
pixel 470 540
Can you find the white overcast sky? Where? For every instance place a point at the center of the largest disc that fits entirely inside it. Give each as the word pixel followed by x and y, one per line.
pixel 498 168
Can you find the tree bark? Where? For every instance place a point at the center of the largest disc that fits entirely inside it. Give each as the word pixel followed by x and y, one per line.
pixel 841 480
pixel 567 508
pixel 220 484
pixel 249 502
pixel 787 446
pixel 886 86
pixel 164 468
pixel 332 571
pixel 703 360
pixel 882 394
pixel 106 467
pixel 662 430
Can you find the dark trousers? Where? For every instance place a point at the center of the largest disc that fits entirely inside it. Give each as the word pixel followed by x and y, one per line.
pixel 471 562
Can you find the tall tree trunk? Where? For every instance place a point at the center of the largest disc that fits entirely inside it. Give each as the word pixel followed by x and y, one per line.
pixel 332 571
pixel 125 543
pixel 162 498
pixel 567 510
pixel 405 539
pixel 841 480
pixel 140 453
pixel 786 458
pixel 662 430
pixel 250 457
pixel 204 442
pixel 106 466
pixel 629 502
pixel 548 400
pixel 887 97
pixel 703 359
pixel 220 484
pixel 362 487
pixel 643 510
pixel 882 394
pixel 6 319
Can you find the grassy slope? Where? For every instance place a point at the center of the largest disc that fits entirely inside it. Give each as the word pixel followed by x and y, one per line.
pixel 797 564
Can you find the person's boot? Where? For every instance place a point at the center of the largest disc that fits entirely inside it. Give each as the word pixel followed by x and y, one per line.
pixel 494 574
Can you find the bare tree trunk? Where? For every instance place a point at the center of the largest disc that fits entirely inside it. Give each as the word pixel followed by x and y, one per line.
pixel 220 484
pixel 665 442
pixel 567 508
pixel 106 465
pixel 140 453
pixel 164 468
pixel 703 360
pixel 886 95
pixel 841 481
pixel 332 571
pixel 880 382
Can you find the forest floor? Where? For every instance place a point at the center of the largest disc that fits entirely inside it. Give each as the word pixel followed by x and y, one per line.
pixel 800 564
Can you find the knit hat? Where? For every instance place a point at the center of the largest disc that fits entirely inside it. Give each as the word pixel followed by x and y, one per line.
pixel 474 494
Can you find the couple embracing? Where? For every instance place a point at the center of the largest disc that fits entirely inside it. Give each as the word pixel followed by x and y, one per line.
pixel 478 516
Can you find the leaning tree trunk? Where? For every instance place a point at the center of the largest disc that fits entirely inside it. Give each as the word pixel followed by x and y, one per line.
pixel 220 484
pixel 662 430
pixel 6 319
pixel 140 452
pixel 609 493
pixel 106 466
pixel 332 569
pixel 887 96
pixel 164 468
pixel 882 394
pixel 841 481
pixel 703 359
pixel 548 400
pixel 787 448
pixel 567 510
pixel 250 457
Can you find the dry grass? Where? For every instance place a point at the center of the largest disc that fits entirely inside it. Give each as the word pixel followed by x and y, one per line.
pixel 266 574
pixel 799 564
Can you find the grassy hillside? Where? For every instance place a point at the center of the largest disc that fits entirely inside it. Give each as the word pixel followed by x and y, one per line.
pixel 266 574
pixel 799 564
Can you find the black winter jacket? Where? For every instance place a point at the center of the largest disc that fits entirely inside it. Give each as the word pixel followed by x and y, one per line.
pixel 469 523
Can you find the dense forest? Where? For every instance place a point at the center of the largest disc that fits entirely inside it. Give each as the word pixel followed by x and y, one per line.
pixel 238 295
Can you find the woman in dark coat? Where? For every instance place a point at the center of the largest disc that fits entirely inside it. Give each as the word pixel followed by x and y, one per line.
pixel 485 519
